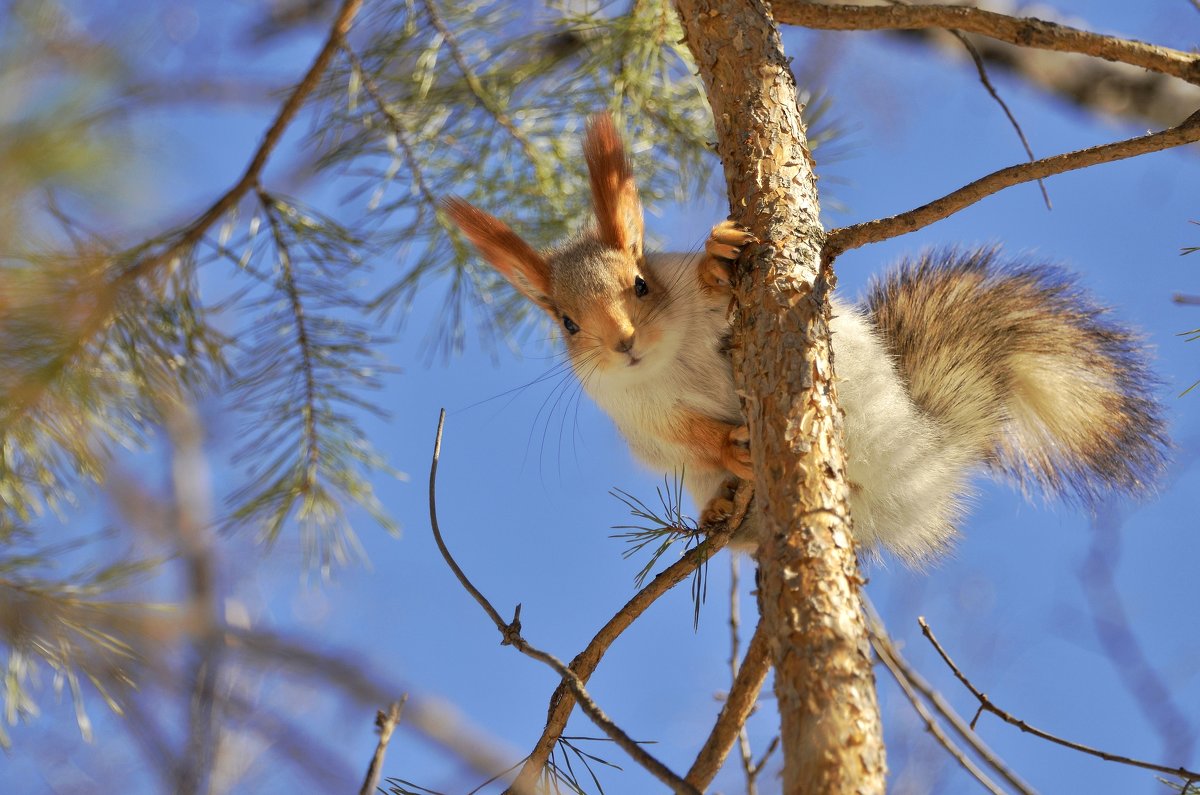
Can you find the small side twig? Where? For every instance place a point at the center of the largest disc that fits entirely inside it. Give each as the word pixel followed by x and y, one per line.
pixel 981 69
pixel 986 705
pixel 385 724
pixel 850 237
pixel 511 634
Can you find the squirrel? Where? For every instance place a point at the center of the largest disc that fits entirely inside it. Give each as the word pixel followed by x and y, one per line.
pixel 955 361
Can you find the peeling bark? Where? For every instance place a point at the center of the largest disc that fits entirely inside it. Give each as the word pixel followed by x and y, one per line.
pixel 809 588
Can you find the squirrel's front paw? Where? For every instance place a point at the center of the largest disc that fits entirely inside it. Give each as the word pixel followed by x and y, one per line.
pixel 724 244
pixel 720 507
pixel 735 453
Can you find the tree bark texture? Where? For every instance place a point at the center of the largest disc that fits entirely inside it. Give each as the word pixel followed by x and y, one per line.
pixel 809 587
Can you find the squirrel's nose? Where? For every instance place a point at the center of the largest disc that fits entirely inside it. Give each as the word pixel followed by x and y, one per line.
pixel 624 345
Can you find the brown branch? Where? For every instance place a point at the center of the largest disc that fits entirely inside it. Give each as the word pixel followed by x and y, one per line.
pixel 850 237
pixel 1026 32
pixel 584 665
pixel 740 702
pixel 385 723
pixel 511 634
pixel 986 705
pixel 909 680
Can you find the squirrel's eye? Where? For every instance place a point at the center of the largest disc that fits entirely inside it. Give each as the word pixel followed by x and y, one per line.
pixel 640 288
pixel 570 325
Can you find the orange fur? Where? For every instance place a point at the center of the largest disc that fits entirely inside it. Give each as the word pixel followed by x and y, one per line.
pixel 614 192
pixel 515 259
pixel 713 444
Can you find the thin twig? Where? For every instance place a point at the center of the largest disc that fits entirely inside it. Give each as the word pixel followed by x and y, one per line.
pixel 981 69
pixel 912 683
pixel 385 724
pixel 850 237
pixel 1025 32
pixel 740 702
pixel 986 705
pixel 973 51
pixel 584 664
pixel 311 451
pixel 511 633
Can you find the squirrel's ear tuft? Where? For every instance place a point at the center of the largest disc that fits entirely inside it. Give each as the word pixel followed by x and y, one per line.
pixel 614 192
pixel 504 250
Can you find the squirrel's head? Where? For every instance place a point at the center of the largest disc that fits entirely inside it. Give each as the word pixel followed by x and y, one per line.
pixel 596 286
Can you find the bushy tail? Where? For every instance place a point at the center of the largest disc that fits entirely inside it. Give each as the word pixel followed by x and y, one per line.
pixel 1022 365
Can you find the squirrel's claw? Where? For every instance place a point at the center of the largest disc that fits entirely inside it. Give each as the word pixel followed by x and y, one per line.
pixel 724 244
pixel 720 507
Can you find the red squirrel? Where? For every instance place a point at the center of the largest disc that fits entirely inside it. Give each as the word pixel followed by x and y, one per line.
pixel 954 362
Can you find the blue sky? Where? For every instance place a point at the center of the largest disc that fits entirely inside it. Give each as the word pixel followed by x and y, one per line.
pixel 524 479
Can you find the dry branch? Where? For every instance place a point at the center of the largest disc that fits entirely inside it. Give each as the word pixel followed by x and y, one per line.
pixel 986 705
pixel 850 237
pixel 1026 32
pixel 913 683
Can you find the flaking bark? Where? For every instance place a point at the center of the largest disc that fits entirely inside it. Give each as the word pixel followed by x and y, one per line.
pixel 809 588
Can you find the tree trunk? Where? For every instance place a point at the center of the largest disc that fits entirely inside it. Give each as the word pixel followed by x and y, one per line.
pixel 809 589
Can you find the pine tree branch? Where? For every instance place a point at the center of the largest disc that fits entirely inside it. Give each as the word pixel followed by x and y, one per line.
pixel 851 237
pixel 1026 32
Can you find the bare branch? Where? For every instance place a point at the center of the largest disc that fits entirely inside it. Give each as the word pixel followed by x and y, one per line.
pixel 385 723
pixel 986 705
pixel 511 633
pixel 850 237
pixel 912 683
pixel 743 695
pixel 1026 32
